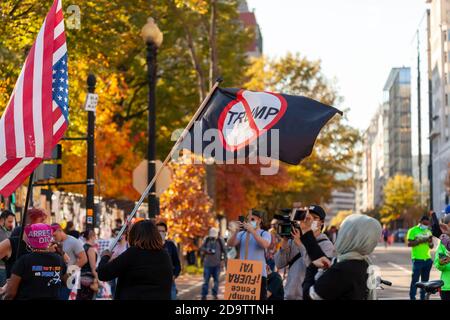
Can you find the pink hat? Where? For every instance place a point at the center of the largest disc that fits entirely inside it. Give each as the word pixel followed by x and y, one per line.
pixel 39 235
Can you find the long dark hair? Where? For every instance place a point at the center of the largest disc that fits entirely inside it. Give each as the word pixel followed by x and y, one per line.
pixel 145 235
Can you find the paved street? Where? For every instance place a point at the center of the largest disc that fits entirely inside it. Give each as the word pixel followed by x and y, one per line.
pixel 395 264
pixel 190 286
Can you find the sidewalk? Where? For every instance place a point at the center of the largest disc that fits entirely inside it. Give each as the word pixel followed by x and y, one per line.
pixel 190 286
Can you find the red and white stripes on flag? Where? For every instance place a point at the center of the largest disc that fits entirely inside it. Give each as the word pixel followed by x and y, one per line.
pixel 37 114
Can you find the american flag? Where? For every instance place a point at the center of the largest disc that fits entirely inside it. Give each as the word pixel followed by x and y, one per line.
pixel 37 113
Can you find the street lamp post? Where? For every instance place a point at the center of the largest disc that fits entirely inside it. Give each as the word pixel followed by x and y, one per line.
pixel 90 172
pixel 152 37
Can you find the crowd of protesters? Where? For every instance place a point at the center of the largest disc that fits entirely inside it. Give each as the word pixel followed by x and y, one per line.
pixel 49 262
pixel 312 263
pixel 42 261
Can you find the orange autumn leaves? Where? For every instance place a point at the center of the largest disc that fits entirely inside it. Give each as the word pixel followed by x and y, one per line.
pixel 185 206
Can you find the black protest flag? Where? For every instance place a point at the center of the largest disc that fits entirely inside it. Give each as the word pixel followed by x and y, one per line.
pixel 248 123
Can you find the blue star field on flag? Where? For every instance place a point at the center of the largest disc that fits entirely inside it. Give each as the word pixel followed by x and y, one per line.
pixel 60 87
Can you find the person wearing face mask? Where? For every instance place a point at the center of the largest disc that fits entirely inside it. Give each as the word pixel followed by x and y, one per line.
pixel 293 255
pixel 171 248
pixel 213 251
pixel 420 239
pixel 252 242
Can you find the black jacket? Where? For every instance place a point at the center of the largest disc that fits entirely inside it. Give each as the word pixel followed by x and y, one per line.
pixel 142 274
pixel 345 280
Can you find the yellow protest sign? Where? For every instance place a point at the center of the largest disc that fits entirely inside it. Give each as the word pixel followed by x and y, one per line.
pixel 243 280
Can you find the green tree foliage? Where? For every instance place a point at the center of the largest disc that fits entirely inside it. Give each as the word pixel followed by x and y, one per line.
pixel 109 45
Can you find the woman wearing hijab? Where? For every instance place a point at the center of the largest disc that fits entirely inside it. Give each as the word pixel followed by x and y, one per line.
pixel 346 278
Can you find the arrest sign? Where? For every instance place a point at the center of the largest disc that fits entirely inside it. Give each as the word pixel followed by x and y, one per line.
pixel 243 280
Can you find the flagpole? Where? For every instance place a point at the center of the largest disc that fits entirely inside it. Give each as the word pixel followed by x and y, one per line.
pixel 24 213
pixel 169 156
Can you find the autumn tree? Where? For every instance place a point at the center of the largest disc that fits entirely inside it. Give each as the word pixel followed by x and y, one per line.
pixel 185 206
pixel 340 217
pixel 330 165
pixel 401 199
pixel 110 46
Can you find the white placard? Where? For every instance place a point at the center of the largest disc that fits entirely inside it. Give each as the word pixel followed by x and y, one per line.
pixel 91 102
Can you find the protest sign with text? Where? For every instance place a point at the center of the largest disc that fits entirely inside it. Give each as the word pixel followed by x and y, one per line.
pixel 243 280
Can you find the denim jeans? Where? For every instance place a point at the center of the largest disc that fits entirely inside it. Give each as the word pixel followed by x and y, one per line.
pixel 207 273
pixel 173 292
pixel 113 285
pixel 421 270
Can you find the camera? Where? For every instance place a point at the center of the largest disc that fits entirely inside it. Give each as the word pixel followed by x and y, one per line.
pixel 211 251
pixel 288 220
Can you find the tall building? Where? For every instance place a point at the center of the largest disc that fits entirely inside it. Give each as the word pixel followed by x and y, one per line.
pixel 386 147
pixel 374 169
pixel 248 19
pixel 439 61
pixel 397 94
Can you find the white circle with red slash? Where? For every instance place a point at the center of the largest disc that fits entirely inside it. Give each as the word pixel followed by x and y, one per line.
pixel 248 116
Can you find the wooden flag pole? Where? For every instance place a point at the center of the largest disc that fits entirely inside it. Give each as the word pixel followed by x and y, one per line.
pixel 166 161
pixel 23 216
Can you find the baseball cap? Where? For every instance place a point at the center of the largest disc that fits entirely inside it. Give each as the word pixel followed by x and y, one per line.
pixel 257 213
pixel 39 235
pixel 318 210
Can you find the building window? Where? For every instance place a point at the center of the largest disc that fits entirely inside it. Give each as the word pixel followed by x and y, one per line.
pixel 446 99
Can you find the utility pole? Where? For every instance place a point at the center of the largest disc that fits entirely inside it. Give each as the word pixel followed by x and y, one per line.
pixel 419 115
pixel 91 103
pixel 430 109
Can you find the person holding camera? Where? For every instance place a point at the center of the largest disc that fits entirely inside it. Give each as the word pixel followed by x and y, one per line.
pixel 252 242
pixel 347 276
pixel 214 259
pixel 420 239
pixel 293 255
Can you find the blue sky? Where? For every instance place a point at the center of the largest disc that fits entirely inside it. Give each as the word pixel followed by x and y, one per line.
pixel 358 42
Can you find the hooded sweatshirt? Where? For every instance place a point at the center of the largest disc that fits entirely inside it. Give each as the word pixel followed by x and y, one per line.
pixel 293 289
